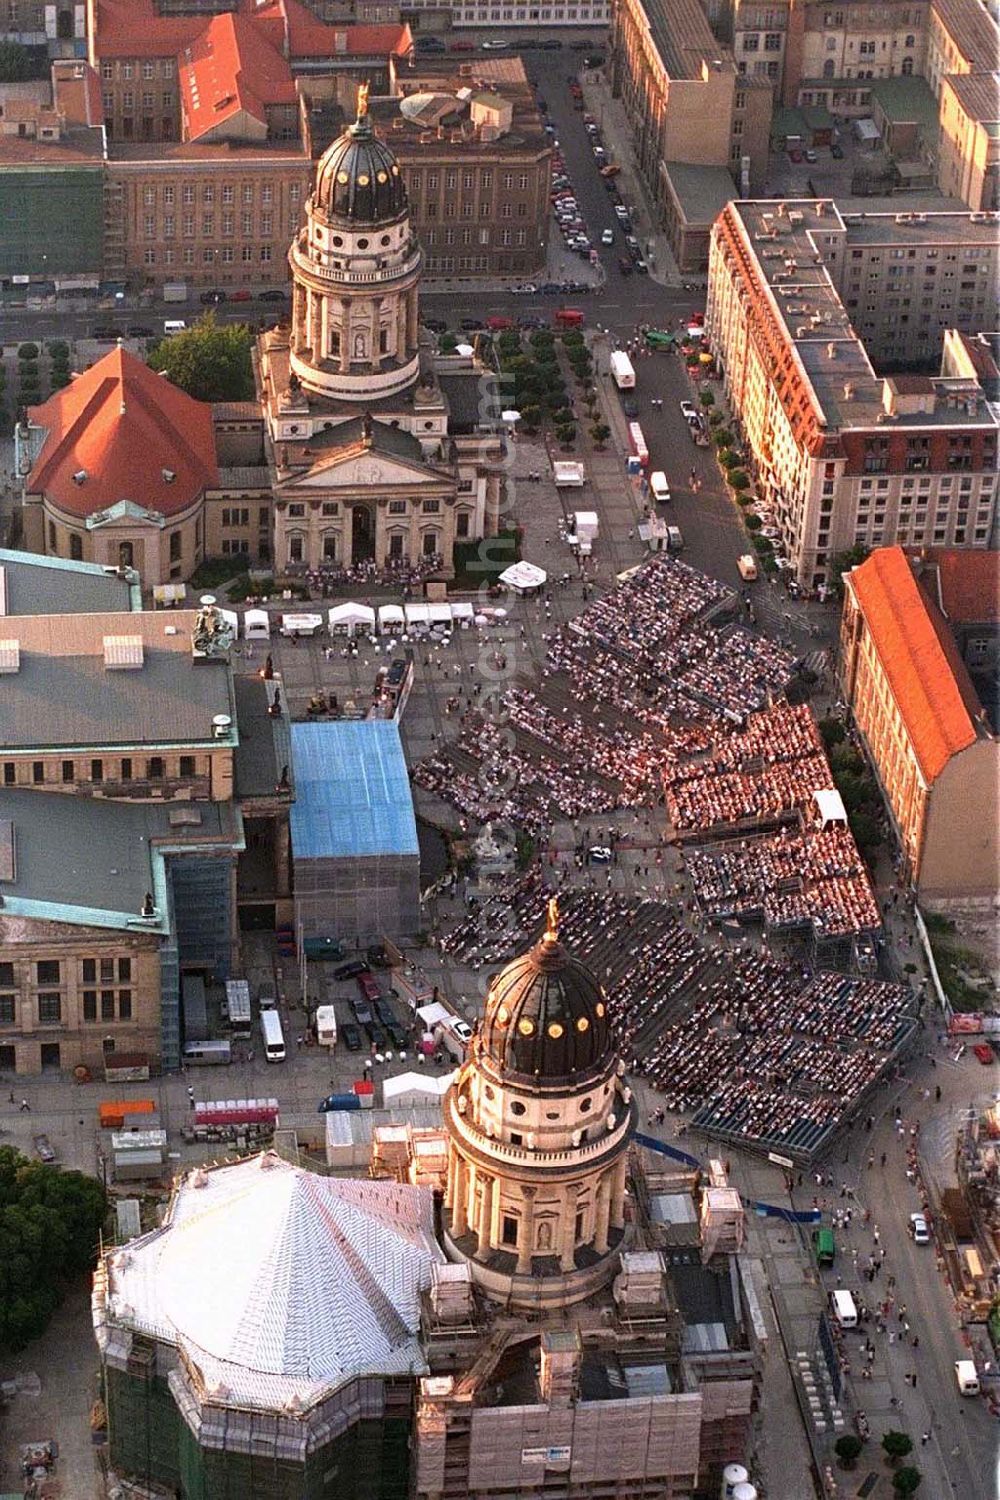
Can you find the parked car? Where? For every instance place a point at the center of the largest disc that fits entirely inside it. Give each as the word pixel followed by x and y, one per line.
pixel 385 1012
pixel 273 294
pixel 462 47
pixel 214 297
pixel 139 331
pixel 471 325
pixel 495 44
pixel 436 325
pixel 599 854
pixel 362 1012
pixel 689 411
pixel 104 331
pixel 351 969
pixel 368 985
pixel 607 236
pixel 428 44
pixel 811 155
pixel 351 1036
pixel 630 407
pixel 919 1230
pixel 241 295
pixel 43 1149
pixel 621 210
pixel 984 1053
pixel 837 151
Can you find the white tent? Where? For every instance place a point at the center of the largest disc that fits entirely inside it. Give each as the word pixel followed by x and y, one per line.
pixel 440 614
pixel 257 625
pixel 232 619
pixel 523 577
pixel 830 807
pixel 349 616
pixel 389 617
pixel 417 614
pixel 463 613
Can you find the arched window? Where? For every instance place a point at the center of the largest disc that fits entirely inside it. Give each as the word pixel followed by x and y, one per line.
pixel 296 548
pixel 907 67
pixel 828 68
pixel 429 543
pixel 75 547
pixel 329 546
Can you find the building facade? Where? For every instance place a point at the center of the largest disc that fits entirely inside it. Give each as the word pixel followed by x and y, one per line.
pixel 931 742
pixel 378 453
pixel 968 153
pixel 684 97
pixel 846 457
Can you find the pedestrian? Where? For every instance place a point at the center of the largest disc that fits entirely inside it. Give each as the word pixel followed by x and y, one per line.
pixel 190 1091
pixel 12 1096
pixel 25 1107
pixel 916 1341
pixel 925 1438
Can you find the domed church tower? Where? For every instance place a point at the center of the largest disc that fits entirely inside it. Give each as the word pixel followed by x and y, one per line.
pixel 355 268
pixel 539 1119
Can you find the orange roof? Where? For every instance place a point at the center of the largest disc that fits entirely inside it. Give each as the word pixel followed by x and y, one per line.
pixel 77 91
pixel 134 28
pixel 923 673
pixel 123 425
pixel 968 581
pixel 231 69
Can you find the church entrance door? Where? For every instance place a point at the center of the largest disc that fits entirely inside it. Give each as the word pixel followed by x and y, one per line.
pixel 362 534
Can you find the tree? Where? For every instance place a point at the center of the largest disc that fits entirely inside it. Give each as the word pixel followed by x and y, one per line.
pixel 58 349
pixel 707 399
pixel 906 1481
pixel 15 62
pixel 27 351
pixel 847 1449
pixel 50 1223
pixel 600 432
pixel 843 562
pixel 738 479
pixel 566 434
pixel 896 1445
pixel 832 731
pixel 210 361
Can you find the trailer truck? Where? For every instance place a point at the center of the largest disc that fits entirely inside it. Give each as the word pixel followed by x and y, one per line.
pixel 622 372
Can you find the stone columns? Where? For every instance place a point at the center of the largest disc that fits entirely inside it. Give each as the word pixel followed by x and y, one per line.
pixel 567 1236
pixel 345 336
pixel 602 1214
pixel 486 1207
pixel 402 324
pixel 374 325
pixel 412 320
pixel 460 1198
pixel 618 1192
pixel 449 1191
pixel 527 1238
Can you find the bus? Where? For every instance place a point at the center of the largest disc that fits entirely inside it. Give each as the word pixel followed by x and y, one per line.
pixel 274 1041
pixel 207 1054
pixel 637 444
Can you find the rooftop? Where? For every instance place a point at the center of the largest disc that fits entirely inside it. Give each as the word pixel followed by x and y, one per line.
pixel 702 192
pixel 62 695
pixel 906 101
pixel 353 797
pixel 264 750
pixel 972 29
pixel 966 582
pixel 34 585
pixel 135 28
pixel 98 425
pixel 684 38
pixel 56 835
pixel 978 94
pixel 229 72
pixel 281 1284
pixel 925 673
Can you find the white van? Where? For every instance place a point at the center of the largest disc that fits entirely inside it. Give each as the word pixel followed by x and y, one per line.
pixel 173 325
pixel 659 486
pixel 274 1041
pixel 675 538
pixel 967 1377
pixel 844 1309
pixel 207 1054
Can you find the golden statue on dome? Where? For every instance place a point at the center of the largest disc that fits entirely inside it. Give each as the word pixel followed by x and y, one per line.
pixel 363 90
pixel 552 920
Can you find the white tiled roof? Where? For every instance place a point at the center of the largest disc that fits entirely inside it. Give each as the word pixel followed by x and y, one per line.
pixel 281 1284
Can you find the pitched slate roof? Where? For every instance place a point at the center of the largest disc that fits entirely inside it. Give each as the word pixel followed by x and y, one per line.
pixel 922 671
pixel 126 429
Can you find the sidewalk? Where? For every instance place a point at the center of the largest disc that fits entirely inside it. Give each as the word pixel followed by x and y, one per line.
pixel 617 134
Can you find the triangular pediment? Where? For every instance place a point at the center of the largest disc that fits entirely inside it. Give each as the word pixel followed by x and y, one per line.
pixel 369 470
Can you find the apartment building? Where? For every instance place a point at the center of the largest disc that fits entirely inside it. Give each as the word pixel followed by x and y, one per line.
pixel 969 141
pixel 910 626
pixel 845 456
pixel 962 37
pixel 686 101
pixel 521 13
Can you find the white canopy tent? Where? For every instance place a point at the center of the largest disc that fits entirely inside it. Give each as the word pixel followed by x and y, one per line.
pixel 523 577
pixel 464 613
pixel 232 619
pixel 390 617
pixel 830 807
pixel 439 614
pixel 348 617
pixel 257 625
pixel 417 614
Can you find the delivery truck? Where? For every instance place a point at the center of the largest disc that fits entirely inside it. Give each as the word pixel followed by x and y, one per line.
pixel 326 1025
pixel 622 371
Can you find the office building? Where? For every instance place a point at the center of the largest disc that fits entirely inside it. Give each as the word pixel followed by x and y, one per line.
pixel 968 148
pixel 920 671
pixel 801 301
pixel 687 104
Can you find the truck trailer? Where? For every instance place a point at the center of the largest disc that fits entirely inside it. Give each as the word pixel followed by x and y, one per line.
pixel 622 371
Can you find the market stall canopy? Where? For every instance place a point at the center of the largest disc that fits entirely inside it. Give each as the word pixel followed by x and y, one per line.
pixel 257 625
pixel 349 616
pixel 830 807
pixel 440 614
pixel 523 576
pixel 417 614
pixel 390 615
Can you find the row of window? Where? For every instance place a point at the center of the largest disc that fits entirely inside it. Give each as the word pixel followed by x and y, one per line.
pixel 226 256
pixel 153 768
pixel 227 224
pixel 49 971
pixel 98 1005
pixel 229 194
pixel 162 67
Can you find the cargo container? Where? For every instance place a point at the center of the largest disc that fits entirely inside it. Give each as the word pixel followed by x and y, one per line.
pixel 622 370
pixel 113 1113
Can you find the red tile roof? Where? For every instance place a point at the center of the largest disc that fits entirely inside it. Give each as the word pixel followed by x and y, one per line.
pixel 134 28
pixel 922 665
pixel 229 70
pixel 968 584
pixel 77 92
pixel 123 425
